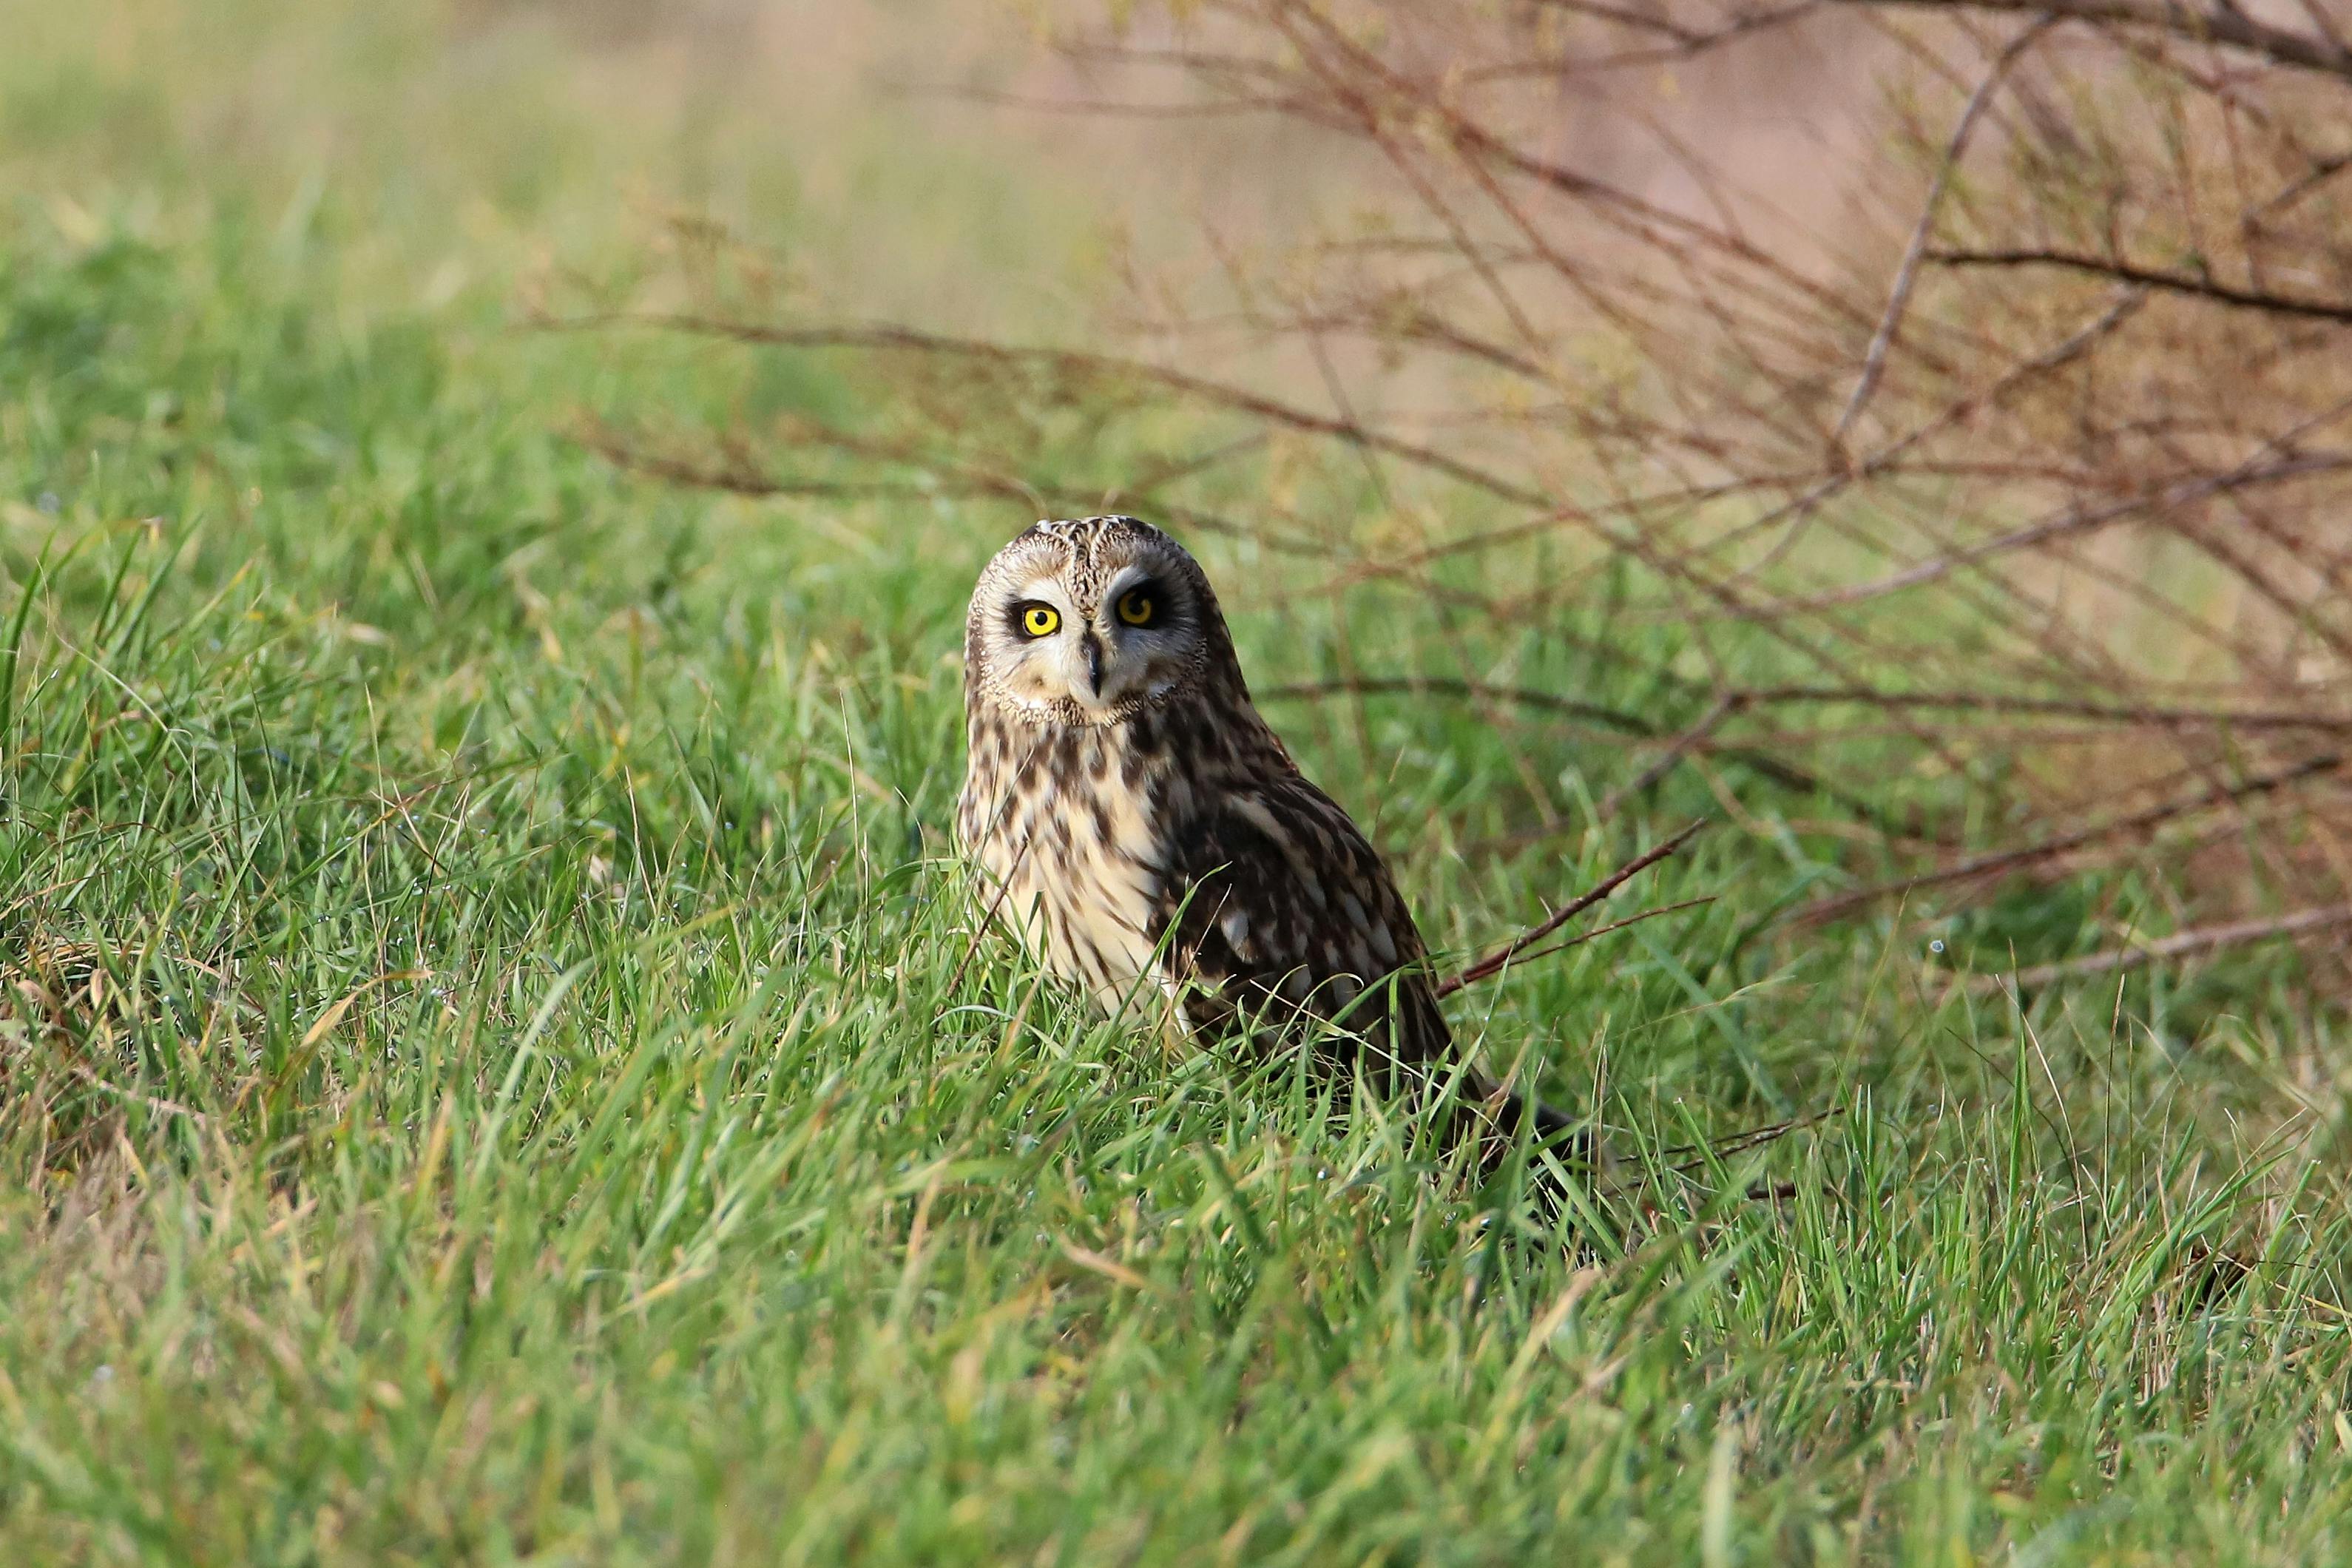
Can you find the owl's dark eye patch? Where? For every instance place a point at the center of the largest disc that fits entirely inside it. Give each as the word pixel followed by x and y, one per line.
pixel 1035 618
pixel 1144 603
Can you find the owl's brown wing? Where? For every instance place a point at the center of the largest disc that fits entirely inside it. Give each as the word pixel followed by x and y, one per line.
pixel 1273 905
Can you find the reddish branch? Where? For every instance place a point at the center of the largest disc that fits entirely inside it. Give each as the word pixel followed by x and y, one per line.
pixel 2158 715
pixel 2199 939
pixel 1898 298
pixel 1075 362
pixel 1500 959
pixel 2302 305
pixel 2223 23
pixel 1999 862
pixel 2073 520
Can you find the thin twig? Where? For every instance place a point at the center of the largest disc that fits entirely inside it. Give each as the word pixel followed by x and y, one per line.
pixel 1979 865
pixel 1717 1150
pixel 1581 938
pixel 2326 27
pixel 883 337
pixel 1099 109
pixel 2055 706
pixel 1874 360
pixel 1671 758
pixel 2072 521
pixel 1418 686
pixel 1777 769
pixel 1741 1143
pixel 2301 186
pixel 2224 25
pixel 2301 305
pixel 940 478
pixel 1501 957
pixel 2201 939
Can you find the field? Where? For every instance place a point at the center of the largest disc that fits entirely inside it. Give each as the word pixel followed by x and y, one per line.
pixel 497 1063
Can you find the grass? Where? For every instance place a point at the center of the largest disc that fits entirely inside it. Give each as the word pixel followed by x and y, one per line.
pixel 497 1067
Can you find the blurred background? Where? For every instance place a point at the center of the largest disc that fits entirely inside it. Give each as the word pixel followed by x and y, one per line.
pixel 1927 413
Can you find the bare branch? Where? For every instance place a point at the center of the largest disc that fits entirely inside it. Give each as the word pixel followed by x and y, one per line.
pixel 2201 939
pixel 1671 757
pixel 1598 713
pixel 1499 959
pixel 1581 938
pixel 2303 305
pixel 1075 362
pixel 2073 520
pixel 2065 707
pixel 2301 186
pixel 1873 360
pixel 2000 861
pixel 2219 24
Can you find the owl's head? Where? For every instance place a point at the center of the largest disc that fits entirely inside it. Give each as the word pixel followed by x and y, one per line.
pixel 1089 622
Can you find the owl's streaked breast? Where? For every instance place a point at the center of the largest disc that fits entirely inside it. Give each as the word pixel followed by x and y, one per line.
pixel 1068 826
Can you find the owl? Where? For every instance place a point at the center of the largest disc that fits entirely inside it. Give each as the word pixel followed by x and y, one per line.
pixel 1139 827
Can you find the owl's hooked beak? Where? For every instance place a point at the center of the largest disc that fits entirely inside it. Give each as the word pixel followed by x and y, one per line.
pixel 1092 647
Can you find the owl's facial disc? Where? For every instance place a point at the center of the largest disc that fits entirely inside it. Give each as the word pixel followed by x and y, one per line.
pixel 1095 661
pixel 1092 621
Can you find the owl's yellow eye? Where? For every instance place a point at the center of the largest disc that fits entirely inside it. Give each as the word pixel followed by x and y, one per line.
pixel 1040 620
pixel 1138 609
